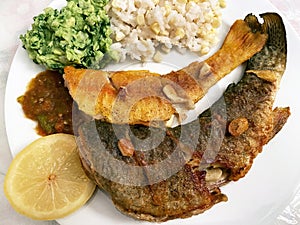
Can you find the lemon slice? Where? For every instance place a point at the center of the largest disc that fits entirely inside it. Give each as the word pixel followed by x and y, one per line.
pixel 46 181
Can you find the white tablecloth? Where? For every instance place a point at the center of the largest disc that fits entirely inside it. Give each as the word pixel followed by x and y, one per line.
pixel 15 17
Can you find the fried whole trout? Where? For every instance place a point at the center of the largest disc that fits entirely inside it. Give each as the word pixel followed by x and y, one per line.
pixel 140 96
pixel 158 174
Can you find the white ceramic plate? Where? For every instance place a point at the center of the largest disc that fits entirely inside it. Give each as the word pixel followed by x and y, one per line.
pixel 257 199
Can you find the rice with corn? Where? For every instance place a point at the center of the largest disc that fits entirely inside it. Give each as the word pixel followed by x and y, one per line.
pixel 142 29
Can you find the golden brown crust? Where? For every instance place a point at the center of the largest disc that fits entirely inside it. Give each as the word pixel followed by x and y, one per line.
pixel 91 89
pixel 122 79
pixel 139 97
pixel 121 97
pixel 242 42
pixel 188 85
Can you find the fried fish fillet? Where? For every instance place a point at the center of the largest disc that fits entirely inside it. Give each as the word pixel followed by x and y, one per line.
pixel 158 174
pixel 141 96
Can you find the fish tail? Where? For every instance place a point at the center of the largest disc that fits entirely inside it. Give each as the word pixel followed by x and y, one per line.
pixel 270 62
pixel 241 43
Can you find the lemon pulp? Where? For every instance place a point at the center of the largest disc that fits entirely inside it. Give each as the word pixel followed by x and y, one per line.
pixel 46 181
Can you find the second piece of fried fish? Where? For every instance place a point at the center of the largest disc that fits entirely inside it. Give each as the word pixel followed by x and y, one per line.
pixel 140 96
pixel 158 174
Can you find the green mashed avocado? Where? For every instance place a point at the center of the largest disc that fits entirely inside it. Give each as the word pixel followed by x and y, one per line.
pixel 78 35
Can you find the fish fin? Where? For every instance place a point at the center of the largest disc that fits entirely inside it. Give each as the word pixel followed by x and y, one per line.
pixel 267 75
pixel 240 44
pixel 280 117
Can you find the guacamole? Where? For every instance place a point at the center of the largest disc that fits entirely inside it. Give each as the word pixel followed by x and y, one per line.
pixel 78 35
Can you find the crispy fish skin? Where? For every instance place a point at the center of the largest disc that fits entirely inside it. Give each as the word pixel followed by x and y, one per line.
pixel 231 134
pixel 130 97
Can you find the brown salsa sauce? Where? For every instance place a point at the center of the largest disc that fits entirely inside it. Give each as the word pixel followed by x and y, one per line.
pixel 48 102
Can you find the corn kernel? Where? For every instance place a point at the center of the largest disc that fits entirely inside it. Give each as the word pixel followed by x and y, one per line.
pixel 216 23
pixel 164 33
pixel 137 4
pixel 167 9
pixel 157 57
pixel 182 1
pixel 202 32
pixel 114 4
pixel 155 2
pixel 180 32
pixel 204 50
pixel 165 49
pixel 119 36
pixel 155 28
pixel 222 3
pixel 140 19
